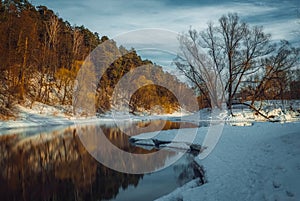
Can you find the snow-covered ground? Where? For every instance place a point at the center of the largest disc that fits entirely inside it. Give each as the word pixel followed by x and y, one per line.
pixel 259 162
pixel 39 115
pixel 253 160
pixel 43 115
pixel 276 110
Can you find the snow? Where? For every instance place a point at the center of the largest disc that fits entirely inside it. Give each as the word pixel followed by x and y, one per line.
pixel 260 162
pixel 44 115
pixel 276 110
pixel 39 114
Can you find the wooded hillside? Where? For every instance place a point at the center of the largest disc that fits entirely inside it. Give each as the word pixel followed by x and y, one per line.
pixel 40 55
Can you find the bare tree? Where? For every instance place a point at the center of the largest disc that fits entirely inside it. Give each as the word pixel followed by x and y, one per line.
pixel 52 31
pixel 234 48
pixel 53 28
pixel 275 72
pixel 77 42
pixel 21 76
pixel 198 68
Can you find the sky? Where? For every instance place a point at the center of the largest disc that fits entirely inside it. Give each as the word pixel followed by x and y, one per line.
pixel 152 26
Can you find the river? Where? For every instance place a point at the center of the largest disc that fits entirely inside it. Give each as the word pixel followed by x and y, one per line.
pixel 51 163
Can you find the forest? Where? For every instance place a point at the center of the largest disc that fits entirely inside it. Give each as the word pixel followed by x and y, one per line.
pixel 41 54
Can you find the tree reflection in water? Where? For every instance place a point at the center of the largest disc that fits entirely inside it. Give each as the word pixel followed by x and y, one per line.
pixel 56 166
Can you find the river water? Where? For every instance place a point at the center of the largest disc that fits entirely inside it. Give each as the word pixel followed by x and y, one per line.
pixel 51 163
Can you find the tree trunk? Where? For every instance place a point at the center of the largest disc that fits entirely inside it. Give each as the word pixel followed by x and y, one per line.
pixel 21 76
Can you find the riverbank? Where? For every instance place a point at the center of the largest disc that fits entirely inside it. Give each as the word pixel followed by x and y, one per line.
pixel 259 162
pixel 39 114
pixel 44 115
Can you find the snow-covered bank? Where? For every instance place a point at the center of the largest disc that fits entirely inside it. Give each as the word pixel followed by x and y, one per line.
pixel 39 114
pixel 275 110
pixel 44 115
pixel 260 162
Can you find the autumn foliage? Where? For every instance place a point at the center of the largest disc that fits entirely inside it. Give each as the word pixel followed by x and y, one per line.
pixel 41 54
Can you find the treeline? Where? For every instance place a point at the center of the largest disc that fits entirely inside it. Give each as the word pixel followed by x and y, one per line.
pixel 41 55
pixel 39 52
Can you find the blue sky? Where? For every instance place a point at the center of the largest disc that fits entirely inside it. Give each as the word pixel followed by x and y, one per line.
pixel 113 17
pixel 117 18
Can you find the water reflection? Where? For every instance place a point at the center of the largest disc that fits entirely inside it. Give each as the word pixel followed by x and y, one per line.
pixel 56 166
pixel 138 160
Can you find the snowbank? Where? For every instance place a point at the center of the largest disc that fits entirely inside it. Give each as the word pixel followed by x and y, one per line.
pixel 43 115
pixel 261 162
pixel 275 110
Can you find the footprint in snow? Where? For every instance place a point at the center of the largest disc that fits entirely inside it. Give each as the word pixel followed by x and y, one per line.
pixel 276 184
pixel 289 193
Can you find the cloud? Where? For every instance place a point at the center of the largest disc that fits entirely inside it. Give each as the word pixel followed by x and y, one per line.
pixel 118 18
pixel 114 17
